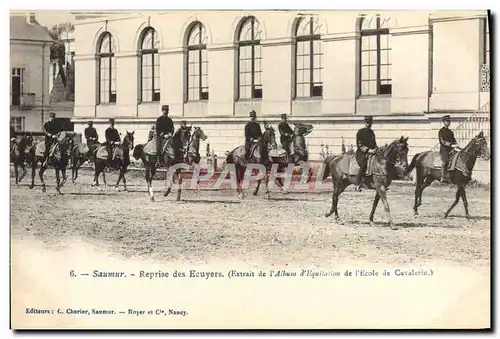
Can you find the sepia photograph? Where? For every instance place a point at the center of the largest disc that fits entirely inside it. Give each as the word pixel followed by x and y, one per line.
pixel 250 169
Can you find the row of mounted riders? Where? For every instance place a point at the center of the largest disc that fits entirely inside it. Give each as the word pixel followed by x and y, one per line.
pixel 181 146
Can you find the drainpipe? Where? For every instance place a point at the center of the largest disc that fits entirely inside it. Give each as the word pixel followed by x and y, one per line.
pixel 43 81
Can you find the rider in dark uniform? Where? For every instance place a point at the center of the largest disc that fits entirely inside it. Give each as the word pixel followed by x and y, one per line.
pixel 366 143
pixel 112 138
pixel 447 144
pixel 91 135
pixel 286 136
pixel 252 133
pixel 164 129
pixel 51 128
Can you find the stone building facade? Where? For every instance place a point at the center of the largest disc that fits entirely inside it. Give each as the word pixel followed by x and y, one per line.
pixel 328 68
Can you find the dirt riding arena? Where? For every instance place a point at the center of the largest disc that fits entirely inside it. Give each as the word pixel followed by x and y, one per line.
pixel 289 228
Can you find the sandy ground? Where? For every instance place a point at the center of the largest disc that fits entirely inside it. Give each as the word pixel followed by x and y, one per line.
pixel 288 231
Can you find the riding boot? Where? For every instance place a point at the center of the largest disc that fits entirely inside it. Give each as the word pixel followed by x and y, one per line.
pixel 359 179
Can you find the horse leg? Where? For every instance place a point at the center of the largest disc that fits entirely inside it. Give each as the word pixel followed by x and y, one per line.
pixel 149 182
pixel 33 171
pixel 466 204
pixel 24 171
pixel 382 192
pixel 98 168
pixel 104 178
pixel 120 176
pixel 458 194
pixel 239 179
pixel 64 178
pixel 124 181
pixel 168 184
pixel 40 174
pixel 428 180
pixel 16 172
pixel 179 176
pixel 58 181
pixel 374 207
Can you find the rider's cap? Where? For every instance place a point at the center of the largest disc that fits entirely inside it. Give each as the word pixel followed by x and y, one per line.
pixel 253 114
pixel 368 118
pixel 446 118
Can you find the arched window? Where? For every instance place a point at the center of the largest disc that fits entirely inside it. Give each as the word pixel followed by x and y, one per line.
pixel 249 60
pixel 197 71
pixel 375 56
pixel 150 66
pixel 107 68
pixel 308 59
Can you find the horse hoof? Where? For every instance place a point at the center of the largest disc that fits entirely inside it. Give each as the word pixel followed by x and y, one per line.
pixel 44 190
pixel 31 187
pixel 445 216
pixel 152 199
pixel 327 214
pixel 394 228
pixel 125 189
pixel 372 224
pixel 255 193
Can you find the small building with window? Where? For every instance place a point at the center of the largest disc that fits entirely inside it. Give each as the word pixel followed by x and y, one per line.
pixel 29 72
pixel 327 68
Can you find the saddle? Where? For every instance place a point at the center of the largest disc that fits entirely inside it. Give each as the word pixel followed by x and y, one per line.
pixel 82 148
pixel 102 153
pixel 438 163
pixel 40 149
pixel 349 166
pixel 150 146
pixel 277 153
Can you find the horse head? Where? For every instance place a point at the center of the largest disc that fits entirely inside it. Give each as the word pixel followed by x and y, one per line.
pixel 479 146
pixel 269 136
pixel 199 134
pixel 396 152
pixel 302 129
pixel 128 140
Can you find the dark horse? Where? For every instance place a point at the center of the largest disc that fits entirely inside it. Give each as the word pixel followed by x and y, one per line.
pixel 120 162
pixel 460 175
pixel 300 154
pixel 193 152
pixel 80 154
pixel 344 174
pixel 260 155
pixel 175 150
pixel 18 155
pixel 59 159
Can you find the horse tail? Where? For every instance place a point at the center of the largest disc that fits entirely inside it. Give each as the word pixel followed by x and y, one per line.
pixel 230 158
pixel 137 151
pixel 412 164
pixel 326 169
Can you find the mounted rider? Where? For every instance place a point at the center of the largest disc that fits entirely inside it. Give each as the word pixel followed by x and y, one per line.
pixel 51 128
pixel 253 133
pixel 12 134
pixel 448 144
pixel 91 136
pixel 366 145
pixel 164 130
pixel 112 139
pixel 286 136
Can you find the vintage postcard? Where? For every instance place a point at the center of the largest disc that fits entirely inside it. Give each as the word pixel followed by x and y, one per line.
pixel 250 169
